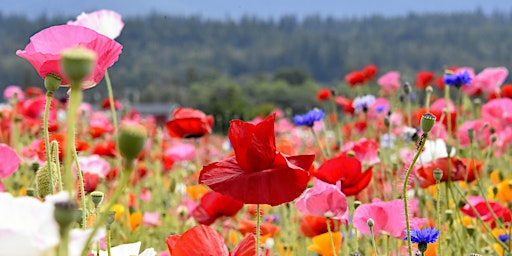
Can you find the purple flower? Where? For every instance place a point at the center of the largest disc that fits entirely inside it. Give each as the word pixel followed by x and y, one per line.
pixel 363 103
pixel 309 118
pixel 458 79
pixel 426 235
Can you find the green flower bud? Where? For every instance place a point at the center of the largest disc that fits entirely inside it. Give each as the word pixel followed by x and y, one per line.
pixel 31 192
pixel 357 204
pixel 471 230
pixel 131 140
pixel 427 122
pixel 97 198
pixel 43 185
pixel 111 217
pixel 79 216
pixel 370 222
pixel 77 63
pixel 351 153
pixel 65 214
pixel 471 134
pixel 52 82
pixel 438 174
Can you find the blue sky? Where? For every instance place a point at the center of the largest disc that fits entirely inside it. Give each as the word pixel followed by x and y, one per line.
pixel 219 9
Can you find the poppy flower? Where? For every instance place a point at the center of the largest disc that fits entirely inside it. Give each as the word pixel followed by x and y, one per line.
pixel 9 161
pixel 424 79
pixel 506 91
pixel 105 148
pixel 365 150
pixel 258 174
pixel 347 170
pixel 45 47
pixel 60 138
pixel 106 104
pixel 480 206
pixel 324 200
pixel 214 205
pixel 312 226
pixel 355 78
pixel 488 81
pixel 321 244
pixel 203 240
pixel 33 91
pixel 266 228
pixel 389 82
pixel 346 104
pixel 369 72
pixel 324 94
pixel 459 169
pixel 105 22
pixel 13 90
pixel 189 123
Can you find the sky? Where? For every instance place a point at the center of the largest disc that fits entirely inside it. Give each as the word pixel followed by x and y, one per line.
pixel 234 9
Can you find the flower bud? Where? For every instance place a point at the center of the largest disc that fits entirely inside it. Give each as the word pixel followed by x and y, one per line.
pixel 111 217
pixel 429 89
pixel 370 222
pixel 357 204
pixel 65 214
pixel 77 63
pixel 494 138
pixel 407 88
pixel 43 185
pixel 471 230
pixel 31 192
pixel 471 134
pixel 427 122
pixel 52 82
pixel 438 174
pixel 97 198
pixel 351 153
pixel 131 140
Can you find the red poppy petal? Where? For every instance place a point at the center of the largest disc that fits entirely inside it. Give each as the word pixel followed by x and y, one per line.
pixel 200 240
pixel 202 216
pixel 343 167
pixel 280 184
pixel 254 145
pixel 191 127
pixel 171 241
pixel 246 247
pixel 362 182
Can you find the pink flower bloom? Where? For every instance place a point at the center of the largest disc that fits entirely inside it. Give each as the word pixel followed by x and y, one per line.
pixel 324 200
pixel 481 134
pixel 181 152
pixel 488 81
pixel 145 195
pixel 9 161
pixel 12 90
pixel 101 120
pixel 389 82
pixel 105 22
pixel 151 219
pixel 379 109
pixel 440 104
pixel 94 164
pixel 388 217
pixel 45 47
pixel 365 150
pixel 498 110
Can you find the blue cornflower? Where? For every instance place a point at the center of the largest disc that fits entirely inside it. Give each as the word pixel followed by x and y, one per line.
pixel 363 103
pixel 459 79
pixel 503 237
pixel 423 237
pixel 309 118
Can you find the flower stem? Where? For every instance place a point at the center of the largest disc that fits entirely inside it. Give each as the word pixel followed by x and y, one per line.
pixel 438 212
pixel 318 143
pixel 55 149
pixel 373 242
pixel 406 181
pixel 75 97
pixel 333 248
pixel 82 191
pixel 109 242
pixel 114 114
pixel 258 229
pixel 49 96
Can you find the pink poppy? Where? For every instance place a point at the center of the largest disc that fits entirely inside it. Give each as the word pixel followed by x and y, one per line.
pixel 481 134
pixel 324 200
pixel 181 152
pixel 151 219
pixel 388 217
pixel 94 164
pixel 105 22
pixel 12 90
pixel 365 150
pixel 9 161
pixel 488 81
pixel 440 104
pixel 145 195
pixel 45 47
pixel 389 82
pixel 498 110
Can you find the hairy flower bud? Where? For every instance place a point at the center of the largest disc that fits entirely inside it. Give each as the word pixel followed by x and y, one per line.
pixel 77 63
pixel 132 137
pixel 43 185
pixel 427 122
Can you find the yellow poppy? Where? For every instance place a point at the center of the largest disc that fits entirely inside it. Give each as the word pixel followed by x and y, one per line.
pixel 322 243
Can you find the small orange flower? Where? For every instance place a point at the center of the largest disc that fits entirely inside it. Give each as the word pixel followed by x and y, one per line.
pixel 119 209
pixel 195 192
pixel 505 191
pixel 135 220
pixel 61 139
pixel 321 244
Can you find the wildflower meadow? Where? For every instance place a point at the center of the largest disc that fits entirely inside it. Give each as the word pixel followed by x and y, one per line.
pixel 385 167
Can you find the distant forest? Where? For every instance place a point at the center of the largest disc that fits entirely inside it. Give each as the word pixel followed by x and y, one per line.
pixel 252 63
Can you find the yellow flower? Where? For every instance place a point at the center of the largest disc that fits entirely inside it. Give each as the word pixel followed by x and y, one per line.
pixel 322 243
pixel 505 191
pixel 119 209
pixel 135 220
pixel 196 191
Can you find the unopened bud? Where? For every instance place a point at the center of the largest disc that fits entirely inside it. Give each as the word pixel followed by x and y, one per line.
pixel 357 204
pixel 97 198
pixel 43 185
pixel 77 63
pixel 132 137
pixel 370 222
pixel 351 153
pixel 65 214
pixel 429 89
pixel 427 122
pixel 52 82
pixel 438 175
pixel 471 134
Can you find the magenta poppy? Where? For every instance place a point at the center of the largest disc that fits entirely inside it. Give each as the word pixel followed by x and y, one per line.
pixel 214 205
pixel 189 123
pixel 9 161
pixel 257 174
pixel 348 170
pixel 324 200
pixel 45 48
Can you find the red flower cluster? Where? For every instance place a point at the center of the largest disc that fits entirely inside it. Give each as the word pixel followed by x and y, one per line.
pixel 360 77
pixel 424 79
pixel 258 174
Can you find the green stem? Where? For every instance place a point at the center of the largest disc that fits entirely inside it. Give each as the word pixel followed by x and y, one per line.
pixel 406 181
pixel 109 242
pixel 75 97
pixel 125 176
pixel 333 248
pixel 408 109
pixel 64 242
pixel 438 212
pixel 258 231
pixel 82 190
pixel 373 242
pixel 114 114
pixel 55 149
pixel 318 143
pixel 49 96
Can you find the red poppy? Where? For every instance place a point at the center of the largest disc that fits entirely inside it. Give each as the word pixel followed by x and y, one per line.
pixel 203 240
pixel 324 94
pixel 312 226
pixel 419 113
pixel 106 104
pixel 369 72
pixel 33 91
pixel 484 213
pixel 105 148
pixel 439 82
pixel 257 174
pixel 189 123
pixel 112 175
pixel 355 78
pixel 424 78
pixel 459 169
pixel 346 103
pixel 60 138
pixel 214 205
pixel 506 91
pixel 90 183
pixel 347 170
